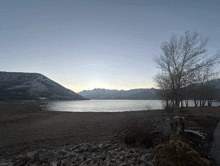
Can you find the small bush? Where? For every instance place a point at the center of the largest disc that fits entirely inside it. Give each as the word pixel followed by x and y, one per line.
pixel 137 132
pixel 178 153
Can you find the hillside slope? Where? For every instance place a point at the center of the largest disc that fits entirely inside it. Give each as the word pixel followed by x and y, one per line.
pixel 29 86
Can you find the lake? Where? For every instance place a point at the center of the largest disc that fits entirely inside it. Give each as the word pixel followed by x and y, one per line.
pixel 108 105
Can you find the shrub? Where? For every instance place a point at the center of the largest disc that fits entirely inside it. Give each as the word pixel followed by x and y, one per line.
pixel 137 132
pixel 178 153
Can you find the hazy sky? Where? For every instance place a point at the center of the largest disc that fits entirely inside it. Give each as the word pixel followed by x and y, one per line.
pixel 87 44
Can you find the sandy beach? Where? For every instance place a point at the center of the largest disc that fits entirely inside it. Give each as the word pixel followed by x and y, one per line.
pixel 25 127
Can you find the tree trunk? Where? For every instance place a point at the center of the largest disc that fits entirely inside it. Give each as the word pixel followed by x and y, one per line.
pixel 210 103
pixel 186 102
pixel 172 102
pixel 203 102
pixel 196 103
pixel 177 102
pixel 167 103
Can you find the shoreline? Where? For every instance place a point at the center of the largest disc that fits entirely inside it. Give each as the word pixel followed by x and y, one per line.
pixel 26 126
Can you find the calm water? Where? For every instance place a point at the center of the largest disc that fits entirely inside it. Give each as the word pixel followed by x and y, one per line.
pixel 108 105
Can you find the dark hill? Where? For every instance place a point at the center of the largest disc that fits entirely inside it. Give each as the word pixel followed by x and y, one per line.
pixel 30 86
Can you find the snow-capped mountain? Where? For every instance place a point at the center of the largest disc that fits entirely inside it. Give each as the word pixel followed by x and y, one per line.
pixel 24 86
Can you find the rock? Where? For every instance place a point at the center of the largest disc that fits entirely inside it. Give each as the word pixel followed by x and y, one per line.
pixel 77 150
pixel 108 145
pixel 2 160
pixel 63 152
pixel 149 164
pixel 54 163
pixel 83 149
pixel 47 156
pixel 82 164
pixel 92 148
pixel 73 160
pixel 35 164
pixel 21 160
pixel 78 162
pixel 100 146
pixel 62 163
pixel 143 159
pixel 148 156
pixel 121 158
pixel 142 164
pixel 95 164
pixel 68 154
pixel 4 164
pixel 33 157
pixel 207 161
pixel 68 163
pixel 130 164
pixel 75 147
pixel 88 161
pixel 87 155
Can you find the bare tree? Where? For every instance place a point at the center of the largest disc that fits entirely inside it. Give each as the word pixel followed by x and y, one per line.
pixel 183 62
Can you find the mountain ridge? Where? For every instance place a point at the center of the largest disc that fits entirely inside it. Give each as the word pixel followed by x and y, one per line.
pixel 135 94
pixel 29 86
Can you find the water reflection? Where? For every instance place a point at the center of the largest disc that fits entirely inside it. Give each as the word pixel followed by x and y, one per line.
pixel 108 105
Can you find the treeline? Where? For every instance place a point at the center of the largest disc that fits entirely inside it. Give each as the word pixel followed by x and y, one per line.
pixel 202 95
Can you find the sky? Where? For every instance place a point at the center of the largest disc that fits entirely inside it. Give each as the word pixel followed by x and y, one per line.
pixel 87 44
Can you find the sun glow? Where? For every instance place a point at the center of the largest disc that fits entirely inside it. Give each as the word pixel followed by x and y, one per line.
pixel 90 85
pixel 97 84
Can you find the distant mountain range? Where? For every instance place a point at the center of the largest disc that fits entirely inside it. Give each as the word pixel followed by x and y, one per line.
pixel 29 86
pixel 134 94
